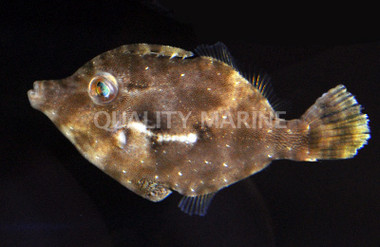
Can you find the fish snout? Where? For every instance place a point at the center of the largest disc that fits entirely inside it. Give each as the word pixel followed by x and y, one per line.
pixel 35 95
pixel 42 92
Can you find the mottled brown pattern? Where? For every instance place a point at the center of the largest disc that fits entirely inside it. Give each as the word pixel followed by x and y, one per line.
pixel 196 158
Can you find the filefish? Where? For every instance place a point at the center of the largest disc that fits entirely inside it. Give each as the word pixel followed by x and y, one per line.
pixel 159 119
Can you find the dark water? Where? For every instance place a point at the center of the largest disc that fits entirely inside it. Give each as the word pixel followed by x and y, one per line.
pixel 51 196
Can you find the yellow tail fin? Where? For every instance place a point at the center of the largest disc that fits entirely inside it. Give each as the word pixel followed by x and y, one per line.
pixel 337 126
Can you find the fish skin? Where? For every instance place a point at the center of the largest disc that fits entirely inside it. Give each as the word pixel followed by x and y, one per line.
pixel 193 159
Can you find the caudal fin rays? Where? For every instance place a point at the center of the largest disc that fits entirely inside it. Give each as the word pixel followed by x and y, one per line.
pixel 337 126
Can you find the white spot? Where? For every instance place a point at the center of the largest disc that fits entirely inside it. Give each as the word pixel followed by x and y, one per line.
pixel 129 181
pixel 192 189
pixel 188 139
pixel 185 138
pixel 182 75
pixel 270 156
pixel 192 138
pixel 269 131
pixel 121 138
pixel 225 180
pixel 208 89
pixel 156 177
pixel 141 161
pixel 180 173
pixel 309 159
pixel 225 164
pixel 207 162
pixel 228 145
pixel 139 127
pixel 124 171
pixel 290 148
pixel 289 131
pixel 174 55
pixel 66 131
pixel 147 67
pixel 202 182
pixel 224 117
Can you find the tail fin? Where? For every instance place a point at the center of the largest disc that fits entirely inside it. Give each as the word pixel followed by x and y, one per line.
pixel 337 128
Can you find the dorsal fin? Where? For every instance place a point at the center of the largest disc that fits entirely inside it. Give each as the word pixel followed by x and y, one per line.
pixel 218 51
pixel 152 49
pixel 260 80
pixel 196 205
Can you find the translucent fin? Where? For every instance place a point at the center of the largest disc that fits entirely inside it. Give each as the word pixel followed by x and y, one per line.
pixel 219 51
pixel 196 205
pixel 337 128
pixel 259 80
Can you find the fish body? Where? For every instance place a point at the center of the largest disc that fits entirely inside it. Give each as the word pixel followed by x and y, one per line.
pixel 160 119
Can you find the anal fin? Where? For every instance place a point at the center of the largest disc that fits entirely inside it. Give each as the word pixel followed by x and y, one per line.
pixel 196 205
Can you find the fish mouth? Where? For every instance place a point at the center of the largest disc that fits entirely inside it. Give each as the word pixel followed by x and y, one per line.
pixel 35 95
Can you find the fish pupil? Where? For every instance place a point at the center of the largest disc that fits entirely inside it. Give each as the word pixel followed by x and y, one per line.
pixel 102 89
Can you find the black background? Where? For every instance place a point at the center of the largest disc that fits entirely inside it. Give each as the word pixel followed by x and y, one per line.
pixel 51 196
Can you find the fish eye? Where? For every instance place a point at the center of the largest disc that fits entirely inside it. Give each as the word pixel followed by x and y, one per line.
pixel 103 88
